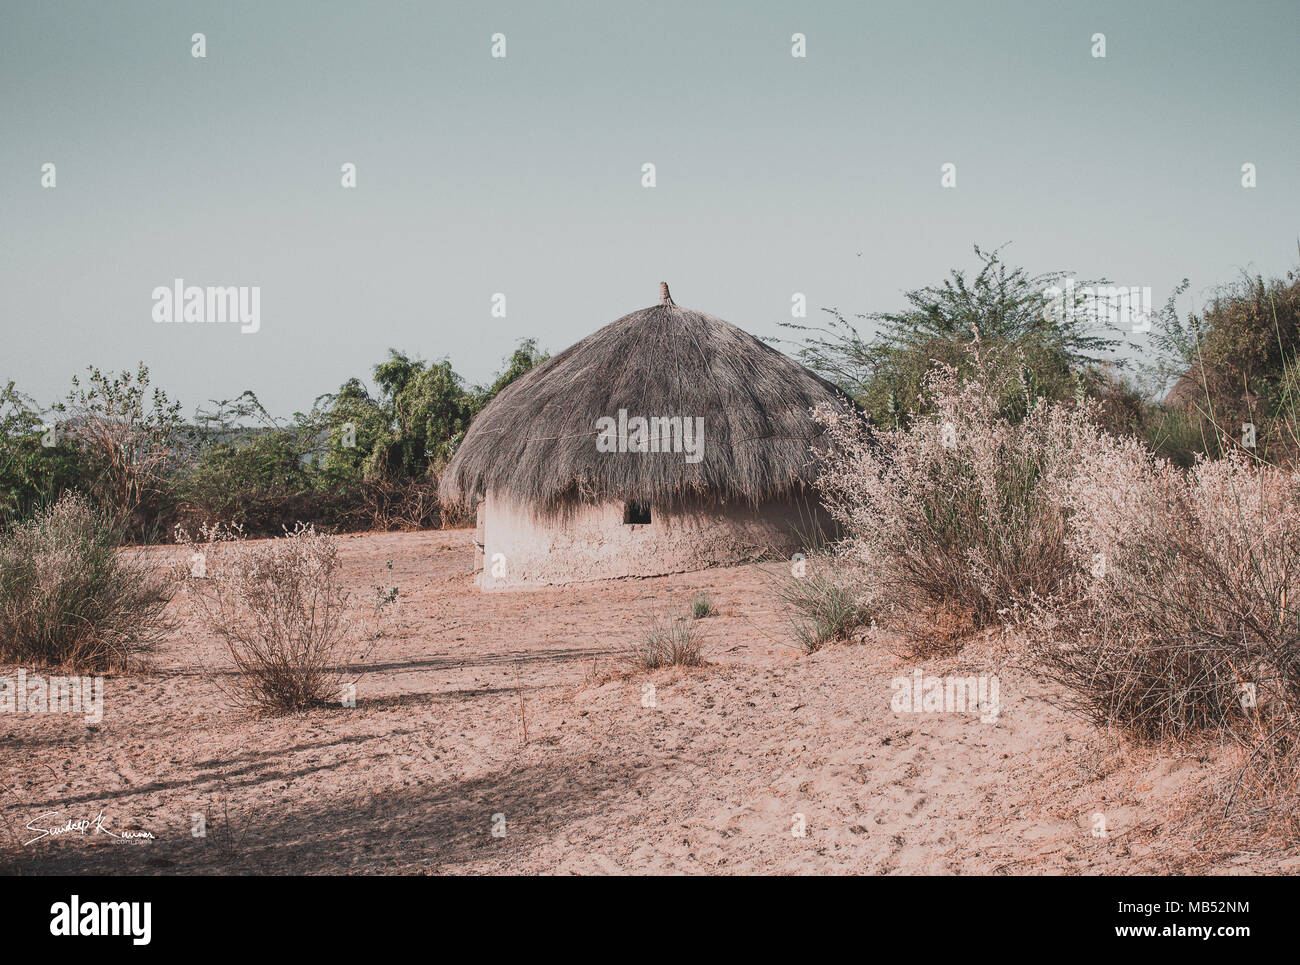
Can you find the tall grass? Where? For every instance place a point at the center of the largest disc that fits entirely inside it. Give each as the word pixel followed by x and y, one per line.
pixel 668 641
pixel 824 601
pixel 71 598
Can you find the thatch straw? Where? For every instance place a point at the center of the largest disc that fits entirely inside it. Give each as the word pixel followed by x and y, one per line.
pixel 535 443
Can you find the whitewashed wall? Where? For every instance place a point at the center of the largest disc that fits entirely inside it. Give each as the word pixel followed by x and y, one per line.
pixel 593 543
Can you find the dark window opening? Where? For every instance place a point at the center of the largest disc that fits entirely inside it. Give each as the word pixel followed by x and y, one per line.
pixel 636 513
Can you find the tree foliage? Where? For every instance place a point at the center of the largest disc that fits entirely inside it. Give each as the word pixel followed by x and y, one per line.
pixel 356 459
pixel 1043 341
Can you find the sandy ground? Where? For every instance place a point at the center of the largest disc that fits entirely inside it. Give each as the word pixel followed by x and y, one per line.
pixel 721 775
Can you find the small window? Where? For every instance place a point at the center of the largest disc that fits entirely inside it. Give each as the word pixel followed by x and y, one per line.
pixel 634 513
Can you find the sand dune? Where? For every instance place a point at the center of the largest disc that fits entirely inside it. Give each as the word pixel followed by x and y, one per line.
pixel 719 776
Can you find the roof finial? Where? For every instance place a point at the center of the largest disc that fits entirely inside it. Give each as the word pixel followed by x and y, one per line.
pixel 664 297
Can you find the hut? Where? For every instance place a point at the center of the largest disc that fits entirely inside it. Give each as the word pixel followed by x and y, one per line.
pixel 667 441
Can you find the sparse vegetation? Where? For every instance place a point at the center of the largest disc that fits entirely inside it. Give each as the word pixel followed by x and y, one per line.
pixel 955 519
pixel 702 606
pixel 1153 549
pixel 1163 599
pixel 1007 474
pixel 825 601
pixel 668 641
pixel 69 597
pixel 281 610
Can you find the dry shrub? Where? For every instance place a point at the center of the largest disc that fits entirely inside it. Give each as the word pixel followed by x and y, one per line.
pixel 1263 799
pixel 71 597
pixel 1180 599
pixel 1249 807
pixel 668 642
pixel 280 608
pixel 954 521
pixel 940 632
pixel 398 504
pixel 1148 687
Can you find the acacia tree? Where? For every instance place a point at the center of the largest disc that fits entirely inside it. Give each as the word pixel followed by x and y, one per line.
pixel 129 439
pixel 1004 312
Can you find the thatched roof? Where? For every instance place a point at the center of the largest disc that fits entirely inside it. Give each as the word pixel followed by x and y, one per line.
pixel 536 441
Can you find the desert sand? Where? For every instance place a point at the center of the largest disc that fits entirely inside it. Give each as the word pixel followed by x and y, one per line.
pixel 719 776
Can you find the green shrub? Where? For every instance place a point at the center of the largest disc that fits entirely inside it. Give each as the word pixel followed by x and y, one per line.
pixel 128 437
pixel 32 473
pixel 260 482
pixel 1235 362
pixel 1042 344
pixel 702 606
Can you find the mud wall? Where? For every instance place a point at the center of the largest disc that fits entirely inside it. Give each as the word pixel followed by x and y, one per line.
pixel 522 548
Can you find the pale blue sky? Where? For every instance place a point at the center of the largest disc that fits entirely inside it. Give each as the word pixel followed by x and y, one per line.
pixel 523 175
